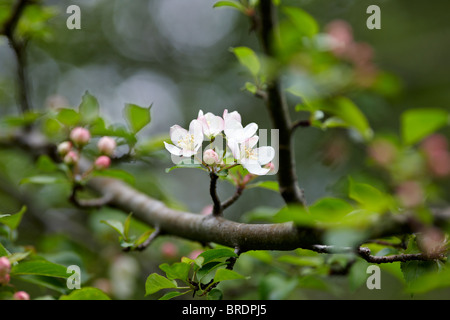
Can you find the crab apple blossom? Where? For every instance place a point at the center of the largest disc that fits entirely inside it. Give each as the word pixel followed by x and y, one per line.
pixel 234 116
pixel 212 125
pixel 106 145
pixel 236 134
pixel 185 143
pixel 80 136
pixel 102 162
pixel 211 157
pixel 71 158
pixel 64 148
pixel 21 295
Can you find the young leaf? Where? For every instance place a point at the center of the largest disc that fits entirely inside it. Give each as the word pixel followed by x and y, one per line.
pixel 213 254
pixel 42 179
pixel 178 270
pixel 305 24
pixel 173 294
pixel 416 124
pixel 13 221
pixel 156 282
pixel 116 225
pixel 137 117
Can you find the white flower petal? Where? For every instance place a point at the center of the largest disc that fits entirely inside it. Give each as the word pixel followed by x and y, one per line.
pixel 172 149
pixel 265 154
pixel 251 142
pixel 250 130
pixel 234 130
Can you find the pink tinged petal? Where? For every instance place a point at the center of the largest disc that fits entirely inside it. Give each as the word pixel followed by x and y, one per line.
pixel 231 116
pixel 251 142
pixel 250 130
pixel 234 147
pixel 172 149
pixel 196 129
pixel 177 133
pixel 265 154
pixel 216 125
pixel 200 114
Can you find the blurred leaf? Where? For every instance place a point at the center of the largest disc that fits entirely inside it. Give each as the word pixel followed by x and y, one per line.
pixel 126 226
pixel 173 294
pixel 232 4
pixel 18 256
pixel 181 165
pixel 3 251
pixel 13 221
pixel 304 23
pixel 225 274
pixel 357 276
pixel 68 117
pixel 86 293
pixel 45 164
pixel 215 294
pixel 344 109
pixel 430 281
pixel 156 282
pixel 116 225
pixel 89 108
pixel 251 87
pixel 416 124
pixel 43 179
pixel 270 185
pixel 116 174
pixel 137 117
pixel 248 58
pixel 368 196
pixel 276 287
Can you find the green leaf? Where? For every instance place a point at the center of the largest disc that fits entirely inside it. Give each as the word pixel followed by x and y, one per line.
pixel 358 274
pixel 156 282
pixel 126 226
pixel 87 293
pixel 430 281
pixel 416 124
pixel 349 114
pixel 215 294
pixel 232 4
pixel 304 23
pixel 137 117
pixel 368 196
pixel 270 185
pixel 43 179
pixel 248 58
pixel 178 270
pixel 13 221
pixel 214 254
pixel 251 87
pixel 181 165
pixel 89 108
pixel 3 251
pixel 116 225
pixel 41 268
pixel 225 274
pixel 116 174
pixel 173 294
pixel 68 117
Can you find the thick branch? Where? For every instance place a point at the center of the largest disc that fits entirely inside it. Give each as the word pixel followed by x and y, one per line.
pixel 217 207
pixel 279 113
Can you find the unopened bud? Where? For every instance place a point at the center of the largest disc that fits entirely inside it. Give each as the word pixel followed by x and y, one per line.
pixel 210 157
pixel 102 162
pixel 106 145
pixel 5 267
pixel 21 295
pixel 80 136
pixel 64 148
pixel 71 158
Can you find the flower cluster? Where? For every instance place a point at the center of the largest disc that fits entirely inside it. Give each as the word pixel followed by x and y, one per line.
pixel 239 148
pixel 80 137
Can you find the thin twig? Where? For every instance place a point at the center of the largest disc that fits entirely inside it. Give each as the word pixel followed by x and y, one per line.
pixel 149 240
pixel 233 198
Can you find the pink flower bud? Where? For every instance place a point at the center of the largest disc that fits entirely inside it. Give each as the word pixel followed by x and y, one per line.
pixel 169 249
pixel 5 266
pixel 271 167
pixel 71 158
pixel 4 279
pixel 210 157
pixel 102 162
pixel 194 254
pixel 106 145
pixel 21 295
pixel 64 148
pixel 80 136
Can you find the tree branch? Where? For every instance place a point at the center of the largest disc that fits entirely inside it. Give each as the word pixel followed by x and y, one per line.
pixel 279 113
pixel 233 198
pixel 18 47
pixel 217 207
